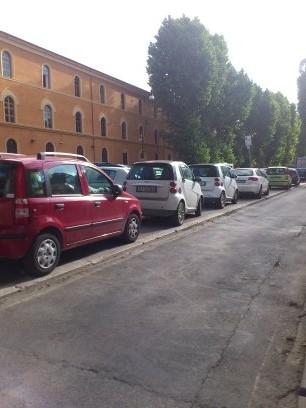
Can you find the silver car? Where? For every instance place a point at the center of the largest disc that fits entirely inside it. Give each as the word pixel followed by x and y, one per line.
pixel 116 173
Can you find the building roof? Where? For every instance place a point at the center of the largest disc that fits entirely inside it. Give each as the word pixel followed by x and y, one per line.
pixel 15 41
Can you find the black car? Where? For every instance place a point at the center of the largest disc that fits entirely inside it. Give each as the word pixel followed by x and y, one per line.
pixel 294 176
pixel 302 173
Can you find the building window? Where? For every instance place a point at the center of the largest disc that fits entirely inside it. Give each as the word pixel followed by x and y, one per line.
pixel 102 94
pixel 141 135
pixel 103 127
pixel 104 155
pixel 78 122
pixel 80 150
pixel 169 157
pixel 11 146
pixel 46 76
pixel 156 136
pixel 9 109
pixel 155 112
pixel 156 156
pixel 49 147
pixel 140 106
pixel 122 101
pixel 125 158
pixel 48 117
pixel 6 64
pixel 123 130
pixel 77 86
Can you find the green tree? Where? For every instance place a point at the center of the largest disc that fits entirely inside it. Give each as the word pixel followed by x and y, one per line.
pixel 302 108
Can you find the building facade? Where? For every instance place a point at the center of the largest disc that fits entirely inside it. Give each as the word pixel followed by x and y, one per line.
pixel 51 103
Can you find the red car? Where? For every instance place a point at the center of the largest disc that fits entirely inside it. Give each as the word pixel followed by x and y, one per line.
pixel 58 201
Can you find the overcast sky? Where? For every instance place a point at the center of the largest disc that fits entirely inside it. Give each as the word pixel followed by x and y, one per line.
pixel 267 38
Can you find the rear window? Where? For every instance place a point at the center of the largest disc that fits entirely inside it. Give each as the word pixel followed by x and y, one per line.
pixel 205 171
pixel 154 171
pixel 278 171
pixel 36 183
pixel 244 172
pixel 7 179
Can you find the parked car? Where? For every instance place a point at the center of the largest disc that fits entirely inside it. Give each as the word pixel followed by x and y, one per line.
pixel 117 174
pixel 294 177
pixel 218 183
pixel 302 173
pixel 253 181
pixel 57 201
pixel 279 177
pixel 165 188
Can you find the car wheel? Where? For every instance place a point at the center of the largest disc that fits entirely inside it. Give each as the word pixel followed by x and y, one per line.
pixel 198 211
pixel 132 228
pixel 268 190
pixel 221 201
pixel 44 255
pixel 259 194
pixel 179 217
pixel 235 198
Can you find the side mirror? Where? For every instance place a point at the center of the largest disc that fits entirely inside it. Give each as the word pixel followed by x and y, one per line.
pixel 233 175
pixel 117 190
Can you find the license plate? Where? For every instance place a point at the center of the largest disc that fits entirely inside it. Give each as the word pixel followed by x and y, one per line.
pixel 203 183
pixel 240 181
pixel 146 189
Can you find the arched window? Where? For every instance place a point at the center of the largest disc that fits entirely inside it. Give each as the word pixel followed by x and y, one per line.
pixel 103 127
pixel 6 64
pixel 123 130
pixel 48 117
pixel 156 156
pixel 141 135
pixel 156 136
pixel 139 106
pixel 142 155
pixel 77 86
pixel 9 109
pixel 78 122
pixel 122 101
pixel 80 150
pixel 102 94
pixel 169 157
pixel 46 76
pixel 104 155
pixel 125 158
pixel 11 146
pixel 49 147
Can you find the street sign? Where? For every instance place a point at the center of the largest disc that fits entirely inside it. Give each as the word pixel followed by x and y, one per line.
pixel 248 141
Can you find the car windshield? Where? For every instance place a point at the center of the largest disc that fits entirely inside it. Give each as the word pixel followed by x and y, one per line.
pixel 7 179
pixel 244 172
pixel 276 171
pixel 151 171
pixel 206 170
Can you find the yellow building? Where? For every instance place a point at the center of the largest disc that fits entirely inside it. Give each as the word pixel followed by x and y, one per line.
pixel 49 102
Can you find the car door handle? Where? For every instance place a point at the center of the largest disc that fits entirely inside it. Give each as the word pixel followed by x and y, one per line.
pixel 97 203
pixel 59 206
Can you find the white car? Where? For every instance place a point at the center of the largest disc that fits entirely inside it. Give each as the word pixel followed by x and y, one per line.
pixel 116 173
pixel 253 181
pixel 218 183
pixel 165 188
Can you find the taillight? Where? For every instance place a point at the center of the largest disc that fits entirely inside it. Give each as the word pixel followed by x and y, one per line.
pixel 253 178
pixel 218 182
pixel 124 186
pixel 173 188
pixel 22 211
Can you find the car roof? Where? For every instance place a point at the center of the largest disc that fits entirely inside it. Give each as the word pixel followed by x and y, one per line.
pixel 171 162
pixel 44 157
pixel 125 168
pixel 211 164
pixel 277 167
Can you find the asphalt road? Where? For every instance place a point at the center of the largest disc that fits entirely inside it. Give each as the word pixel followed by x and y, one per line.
pixel 211 318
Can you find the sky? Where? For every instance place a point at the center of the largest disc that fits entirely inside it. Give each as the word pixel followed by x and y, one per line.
pixel 265 38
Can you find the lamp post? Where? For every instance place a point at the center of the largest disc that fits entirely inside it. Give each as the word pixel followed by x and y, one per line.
pixel 248 144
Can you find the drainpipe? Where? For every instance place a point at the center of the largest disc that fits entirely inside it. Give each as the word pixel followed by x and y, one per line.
pixel 92 122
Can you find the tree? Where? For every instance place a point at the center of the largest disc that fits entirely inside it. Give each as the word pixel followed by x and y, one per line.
pixel 302 107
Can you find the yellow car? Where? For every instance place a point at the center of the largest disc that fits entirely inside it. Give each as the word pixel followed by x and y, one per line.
pixel 279 177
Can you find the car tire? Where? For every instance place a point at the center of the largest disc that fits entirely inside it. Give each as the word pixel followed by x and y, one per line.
pixel 235 198
pixel 178 218
pixel 198 211
pixel 43 256
pixel 268 191
pixel 132 228
pixel 221 200
pixel 259 194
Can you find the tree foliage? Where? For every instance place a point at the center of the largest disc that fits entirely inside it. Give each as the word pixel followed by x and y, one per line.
pixel 210 106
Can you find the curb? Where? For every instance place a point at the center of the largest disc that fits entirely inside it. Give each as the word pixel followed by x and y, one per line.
pixel 65 271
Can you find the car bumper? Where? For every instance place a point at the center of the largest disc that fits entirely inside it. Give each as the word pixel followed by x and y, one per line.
pixel 13 246
pixel 248 189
